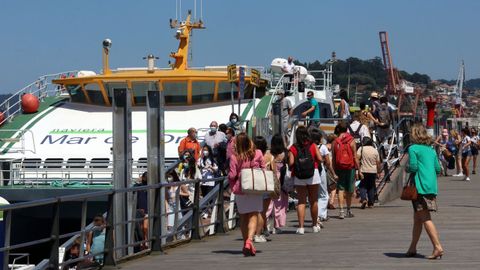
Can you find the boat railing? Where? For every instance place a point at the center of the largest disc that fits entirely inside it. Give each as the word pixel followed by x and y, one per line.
pixel 169 224
pixel 59 173
pixel 18 137
pixel 41 88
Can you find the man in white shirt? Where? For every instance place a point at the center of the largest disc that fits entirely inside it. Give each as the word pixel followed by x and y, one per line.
pixel 287 70
pixel 288 67
pixel 214 138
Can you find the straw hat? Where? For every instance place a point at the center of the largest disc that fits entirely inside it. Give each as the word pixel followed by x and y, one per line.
pixel 374 95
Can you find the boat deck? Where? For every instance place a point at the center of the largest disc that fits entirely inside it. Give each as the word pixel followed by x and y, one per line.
pixel 375 239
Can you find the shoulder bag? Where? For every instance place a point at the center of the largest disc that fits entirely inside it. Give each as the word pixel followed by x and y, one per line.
pixel 409 192
pixel 257 181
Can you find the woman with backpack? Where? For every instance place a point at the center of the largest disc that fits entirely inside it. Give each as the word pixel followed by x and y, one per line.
pixel 278 207
pixel 248 205
pixel 303 160
pixel 345 164
pixel 444 154
pixel 370 166
pixel 423 162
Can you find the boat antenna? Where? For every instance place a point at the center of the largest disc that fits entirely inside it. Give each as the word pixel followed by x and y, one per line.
pixel 194 10
pixel 176 10
pixel 201 10
pixel 180 9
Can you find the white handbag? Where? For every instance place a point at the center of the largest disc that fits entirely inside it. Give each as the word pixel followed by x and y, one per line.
pixel 257 181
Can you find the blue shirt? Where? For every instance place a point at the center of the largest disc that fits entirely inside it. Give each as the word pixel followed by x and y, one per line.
pixel 316 112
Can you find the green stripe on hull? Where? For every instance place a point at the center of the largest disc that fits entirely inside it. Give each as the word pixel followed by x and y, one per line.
pixel 20 120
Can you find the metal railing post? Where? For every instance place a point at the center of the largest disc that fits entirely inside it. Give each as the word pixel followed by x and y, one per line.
pixel 55 242
pixel 109 258
pixel 196 213
pixel 220 208
pixel 83 223
pixel 7 215
pixel 158 227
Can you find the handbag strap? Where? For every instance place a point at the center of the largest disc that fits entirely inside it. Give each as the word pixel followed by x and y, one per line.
pixel 265 179
pixel 253 178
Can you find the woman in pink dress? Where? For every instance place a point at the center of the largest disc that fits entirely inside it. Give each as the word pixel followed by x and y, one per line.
pixel 248 205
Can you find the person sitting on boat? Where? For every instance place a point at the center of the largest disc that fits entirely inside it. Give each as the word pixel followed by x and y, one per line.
pixel 313 112
pixel 96 239
pixel 287 70
pixel 234 122
pixel 190 143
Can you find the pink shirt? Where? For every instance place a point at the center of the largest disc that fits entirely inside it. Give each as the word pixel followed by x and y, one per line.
pixel 236 165
pixel 230 149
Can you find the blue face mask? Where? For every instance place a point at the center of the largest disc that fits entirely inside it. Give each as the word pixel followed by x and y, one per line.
pixel 213 129
pixel 234 120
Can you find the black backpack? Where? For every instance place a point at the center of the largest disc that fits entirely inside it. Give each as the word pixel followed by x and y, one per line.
pixel 356 135
pixel 384 116
pixel 304 164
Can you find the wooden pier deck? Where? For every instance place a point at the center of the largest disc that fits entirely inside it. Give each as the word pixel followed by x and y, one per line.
pixel 374 239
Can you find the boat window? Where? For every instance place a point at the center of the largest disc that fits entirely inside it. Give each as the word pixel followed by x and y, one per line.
pixel 76 93
pixel 76 163
pixel 94 93
pixel 53 163
pixel 32 163
pixel 99 163
pixel 224 89
pixel 175 92
pixel 139 91
pixel 202 92
pixel 142 162
pixel 114 85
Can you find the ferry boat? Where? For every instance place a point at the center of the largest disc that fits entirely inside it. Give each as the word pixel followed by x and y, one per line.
pixel 65 146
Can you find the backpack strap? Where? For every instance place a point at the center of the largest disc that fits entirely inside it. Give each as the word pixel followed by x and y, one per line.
pixel 358 129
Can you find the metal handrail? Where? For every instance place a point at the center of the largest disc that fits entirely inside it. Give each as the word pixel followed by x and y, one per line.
pixel 40 88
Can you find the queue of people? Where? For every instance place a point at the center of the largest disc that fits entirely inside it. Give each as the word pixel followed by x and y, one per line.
pixel 457 151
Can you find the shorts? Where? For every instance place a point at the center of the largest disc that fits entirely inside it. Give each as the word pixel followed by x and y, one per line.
pixel 425 202
pixel 466 154
pixel 474 151
pixel 315 180
pixel 346 180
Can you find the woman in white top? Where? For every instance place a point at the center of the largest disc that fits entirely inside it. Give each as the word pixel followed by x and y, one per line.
pixel 344 107
pixel 466 152
pixel 474 148
pixel 323 196
pixel 208 169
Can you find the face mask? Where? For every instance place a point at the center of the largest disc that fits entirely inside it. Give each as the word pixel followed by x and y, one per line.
pixel 185 157
pixel 213 129
pixel 205 153
pixel 234 120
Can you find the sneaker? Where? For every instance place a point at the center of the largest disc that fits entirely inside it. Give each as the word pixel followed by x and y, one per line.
pixel 341 215
pixel 300 231
pixel 364 204
pixel 316 229
pixel 324 219
pixel 259 239
pixel 349 214
pixel 458 175
pixel 467 179
pixel 276 231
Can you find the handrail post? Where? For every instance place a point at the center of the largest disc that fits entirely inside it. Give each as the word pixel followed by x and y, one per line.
pixel 109 258
pixel 158 228
pixel 220 208
pixel 196 213
pixel 7 215
pixel 55 242
pixel 83 223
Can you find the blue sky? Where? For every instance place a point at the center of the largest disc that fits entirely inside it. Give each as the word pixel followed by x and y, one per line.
pixel 428 36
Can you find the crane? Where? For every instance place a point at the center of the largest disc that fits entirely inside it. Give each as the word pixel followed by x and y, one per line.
pixel 396 86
